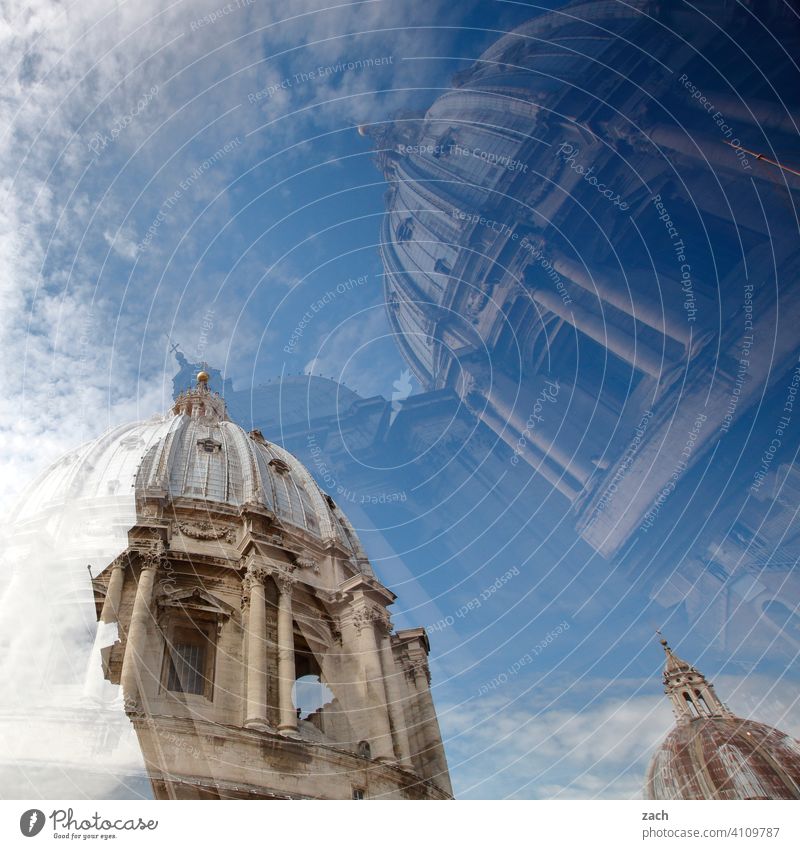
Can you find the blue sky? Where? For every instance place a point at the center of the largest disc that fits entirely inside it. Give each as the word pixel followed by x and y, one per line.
pixel 182 173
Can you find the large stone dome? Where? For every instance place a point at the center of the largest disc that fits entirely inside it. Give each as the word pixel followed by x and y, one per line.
pixel 483 193
pixel 474 183
pixel 195 453
pixel 725 758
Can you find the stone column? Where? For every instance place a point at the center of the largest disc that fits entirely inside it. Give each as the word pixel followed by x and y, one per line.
pixel 508 400
pixel 394 694
pixel 501 412
pixel 616 293
pixel 256 674
pixel 434 750
pixel 374 694
pixel 754 111
pixel 631 350
pixel 710 153
pixel 286 673
pixel 110 612
pixel 141 622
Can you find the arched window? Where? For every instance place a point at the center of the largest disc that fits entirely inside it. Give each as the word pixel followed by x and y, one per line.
pixel 701 703
pixel 691 706
pixel 309 694
pixel 364 749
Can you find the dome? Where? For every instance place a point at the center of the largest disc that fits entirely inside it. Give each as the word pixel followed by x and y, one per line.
pixel 714 754
pixel 725 758
pixel 194 453
pixel 486 186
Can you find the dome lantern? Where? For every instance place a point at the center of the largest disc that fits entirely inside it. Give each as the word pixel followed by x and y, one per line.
pixel 692 696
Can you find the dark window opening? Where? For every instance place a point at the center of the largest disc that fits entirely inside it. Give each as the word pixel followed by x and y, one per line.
pixel 187 669
pixel 405 230
pixel 691 705
pixel 702 703
pixel 310 694
pixel 441 267
pixel 189 657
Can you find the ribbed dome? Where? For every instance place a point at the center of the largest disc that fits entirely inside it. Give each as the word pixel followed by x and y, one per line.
pixel 725 758
pixel 217 461
pixel 193 453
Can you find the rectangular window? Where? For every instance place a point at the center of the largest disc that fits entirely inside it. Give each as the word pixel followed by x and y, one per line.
pixel 189 656
pixel 187 669
pixel 358 793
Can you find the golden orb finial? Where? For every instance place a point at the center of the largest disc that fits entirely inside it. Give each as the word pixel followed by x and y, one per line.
pixel 202 377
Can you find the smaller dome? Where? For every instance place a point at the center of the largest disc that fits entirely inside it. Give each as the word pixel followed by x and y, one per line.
pixel 725 758
pixel 713 754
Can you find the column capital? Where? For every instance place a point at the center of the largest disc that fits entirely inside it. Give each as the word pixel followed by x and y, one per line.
pixel 384 624
pixel 473 382
pixel 286 583
pixel 133 706
pixel 119 562
pixel 255 574
pixel 420 669
pixel 365 614
pixel 152 559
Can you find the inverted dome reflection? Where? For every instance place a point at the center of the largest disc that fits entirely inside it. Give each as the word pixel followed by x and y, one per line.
pixel 573 248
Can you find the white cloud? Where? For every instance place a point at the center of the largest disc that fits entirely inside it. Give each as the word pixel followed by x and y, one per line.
pixel 123 245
